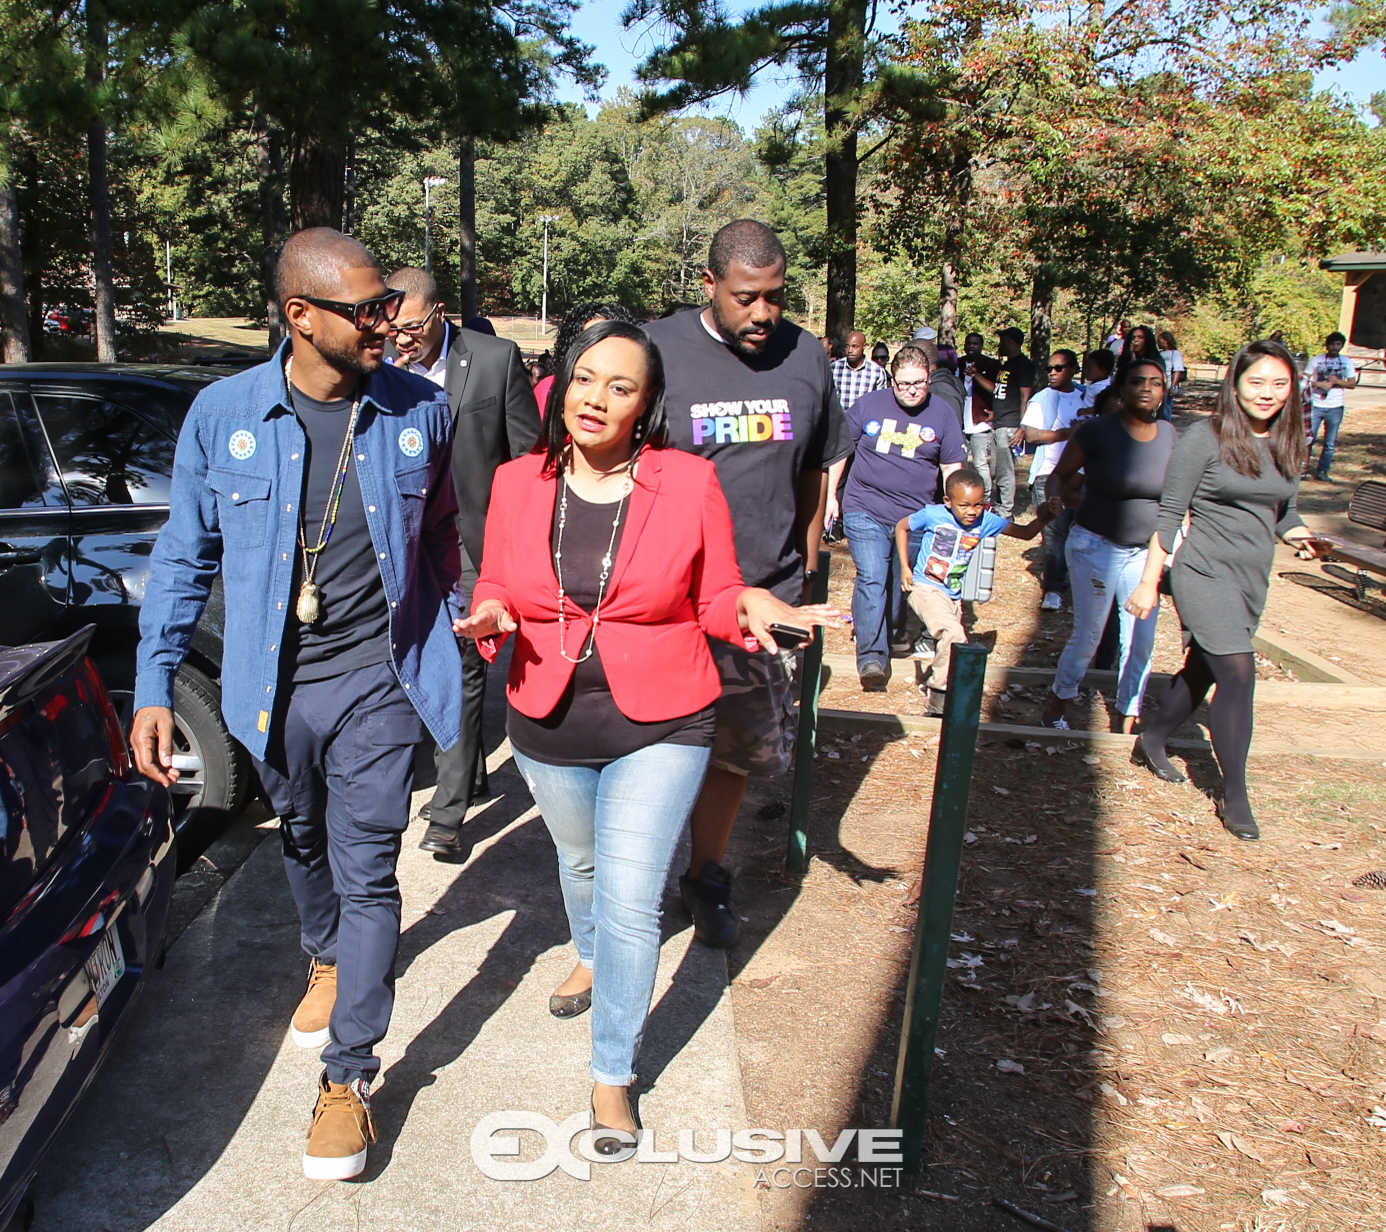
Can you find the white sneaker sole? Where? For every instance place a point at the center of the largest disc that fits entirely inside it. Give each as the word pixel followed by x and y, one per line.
pixel 310 1039
pixel 330 1168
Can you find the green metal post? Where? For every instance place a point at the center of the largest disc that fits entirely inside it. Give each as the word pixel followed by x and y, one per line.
pixel 957 748
pixel 796 857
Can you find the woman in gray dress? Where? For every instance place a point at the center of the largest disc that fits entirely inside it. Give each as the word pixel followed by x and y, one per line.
pixel 1236 476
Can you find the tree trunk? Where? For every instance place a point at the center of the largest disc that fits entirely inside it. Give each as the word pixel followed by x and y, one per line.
pixel 842 85
pixel 947 302
pixel 269 161
pixel 466 230
pixel 1041 318
pixel 349 188
pixel 316 181
pixel 98 173
pixel 960 189
pixel 13 322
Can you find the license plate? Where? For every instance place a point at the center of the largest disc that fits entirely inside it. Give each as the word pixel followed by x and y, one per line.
pixel 105 966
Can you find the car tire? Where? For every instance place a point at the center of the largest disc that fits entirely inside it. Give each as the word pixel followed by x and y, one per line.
pixel 214 767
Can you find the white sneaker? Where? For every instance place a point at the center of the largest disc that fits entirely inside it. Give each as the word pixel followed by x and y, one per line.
pixel 1053 601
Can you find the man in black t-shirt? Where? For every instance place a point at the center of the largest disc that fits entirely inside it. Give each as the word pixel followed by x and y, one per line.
pixel 753 393
pixel 1009 385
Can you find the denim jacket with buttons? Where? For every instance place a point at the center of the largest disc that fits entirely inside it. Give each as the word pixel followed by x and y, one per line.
pixel 233 507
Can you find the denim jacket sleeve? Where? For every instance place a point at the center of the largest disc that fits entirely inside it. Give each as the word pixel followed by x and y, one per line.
pixel 182 568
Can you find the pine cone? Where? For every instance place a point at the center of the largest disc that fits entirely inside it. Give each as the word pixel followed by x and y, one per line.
pixel 1375 880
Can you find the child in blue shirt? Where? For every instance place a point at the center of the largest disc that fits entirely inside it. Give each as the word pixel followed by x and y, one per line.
pixel 952 532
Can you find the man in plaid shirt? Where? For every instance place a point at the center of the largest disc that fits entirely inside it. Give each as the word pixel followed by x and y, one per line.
pixel 854 374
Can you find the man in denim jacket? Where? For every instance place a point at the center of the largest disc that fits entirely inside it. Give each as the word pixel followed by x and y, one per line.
pixel 318 484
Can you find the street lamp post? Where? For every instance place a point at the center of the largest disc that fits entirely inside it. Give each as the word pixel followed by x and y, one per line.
pixel 430 182
pixel 544 309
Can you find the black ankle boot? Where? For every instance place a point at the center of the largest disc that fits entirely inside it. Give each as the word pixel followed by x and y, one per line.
pixel 708 900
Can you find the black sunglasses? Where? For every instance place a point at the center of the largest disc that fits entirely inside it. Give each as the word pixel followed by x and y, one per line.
pixel 1059 367
pixel 367 314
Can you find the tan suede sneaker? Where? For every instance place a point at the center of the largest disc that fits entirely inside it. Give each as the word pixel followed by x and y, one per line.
pixel 310 1025
pixel 342 1129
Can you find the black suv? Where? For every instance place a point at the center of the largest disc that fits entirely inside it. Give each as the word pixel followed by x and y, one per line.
pixel 86 457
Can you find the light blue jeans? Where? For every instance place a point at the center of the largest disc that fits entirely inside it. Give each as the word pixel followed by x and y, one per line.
pixel 1103 573
pixel 616 830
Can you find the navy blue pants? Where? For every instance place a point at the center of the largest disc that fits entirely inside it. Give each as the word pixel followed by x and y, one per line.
pixel 338 770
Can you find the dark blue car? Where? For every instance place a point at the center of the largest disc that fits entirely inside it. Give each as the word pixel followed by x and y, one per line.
pixel 86 875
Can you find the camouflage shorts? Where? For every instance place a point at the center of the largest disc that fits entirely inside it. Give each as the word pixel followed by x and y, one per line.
pixel 755 720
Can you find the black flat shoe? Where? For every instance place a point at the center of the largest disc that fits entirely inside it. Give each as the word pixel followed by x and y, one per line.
pixel 441 840
pixel 610 1146
pixel 1141 756
pixel 561 1006
pixel 426 813
pixel 1247 829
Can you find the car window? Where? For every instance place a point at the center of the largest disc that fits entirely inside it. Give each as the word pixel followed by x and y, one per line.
pixel 19 485
pixel 107 453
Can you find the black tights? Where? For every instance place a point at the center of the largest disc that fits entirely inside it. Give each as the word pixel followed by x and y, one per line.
pixel 1229 716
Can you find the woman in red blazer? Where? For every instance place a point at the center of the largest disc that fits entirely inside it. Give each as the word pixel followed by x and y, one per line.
pixel 611 560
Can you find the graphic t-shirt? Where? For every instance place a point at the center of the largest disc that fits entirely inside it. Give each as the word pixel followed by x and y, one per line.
pixel 1320 368
pixel 1015 374
pixel 947 546
pixel 1050 410
pixel 762 420
pixel 899 452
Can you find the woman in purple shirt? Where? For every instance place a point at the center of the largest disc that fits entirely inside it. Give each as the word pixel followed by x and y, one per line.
pixel 904 438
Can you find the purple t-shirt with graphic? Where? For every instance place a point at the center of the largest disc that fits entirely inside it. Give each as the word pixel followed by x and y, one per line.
pixel 899 453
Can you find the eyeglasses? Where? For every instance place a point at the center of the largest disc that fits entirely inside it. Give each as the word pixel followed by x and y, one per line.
pixel 415 328
pixel 912 387
pixel 367 314
pixel 1058 367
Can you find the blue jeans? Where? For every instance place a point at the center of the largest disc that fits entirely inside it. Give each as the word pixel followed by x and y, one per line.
pixel 878 603
pixel 1104 572
pixel 1054 572
pixel 1332 419
pixel 616 829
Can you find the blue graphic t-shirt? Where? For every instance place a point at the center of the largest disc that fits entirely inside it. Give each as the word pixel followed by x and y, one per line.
pixel 899 454
pixel 947 546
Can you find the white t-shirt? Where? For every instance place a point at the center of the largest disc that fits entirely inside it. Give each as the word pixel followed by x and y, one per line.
pixel 1174 361
pixel 1321 367
pixel 1050 410
pixel 1092 389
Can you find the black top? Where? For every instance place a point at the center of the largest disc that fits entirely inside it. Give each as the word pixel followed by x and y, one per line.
pixel 354 628
pixel 586 728
pixel 763 420
pixel 1014 375
pixel 1122 478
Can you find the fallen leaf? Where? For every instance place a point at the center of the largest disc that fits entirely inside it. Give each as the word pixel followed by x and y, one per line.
pixel 1111 1092
pixel 1179 1191
pixel 1275 1197
pixel 1001 791
pixel 1010 1067
pixel 1288 1126
pixel 763 982
pixel 1163 938
pixel 1333 928
pixel 1238 1143
pixel 1176 1041
pixel 1092 760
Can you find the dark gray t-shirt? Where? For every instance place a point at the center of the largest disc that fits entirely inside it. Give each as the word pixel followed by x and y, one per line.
pixel 762 420
pixel 1122 478
pixel 354 628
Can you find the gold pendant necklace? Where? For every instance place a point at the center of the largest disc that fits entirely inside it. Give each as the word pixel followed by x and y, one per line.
pixel 308 609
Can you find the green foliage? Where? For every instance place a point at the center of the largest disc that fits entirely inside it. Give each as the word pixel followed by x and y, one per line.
pixel 893 300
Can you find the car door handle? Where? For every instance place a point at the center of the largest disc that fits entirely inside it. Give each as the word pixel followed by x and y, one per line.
pixel 21 558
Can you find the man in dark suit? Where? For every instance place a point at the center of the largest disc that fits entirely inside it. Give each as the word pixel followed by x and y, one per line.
pixel 495 419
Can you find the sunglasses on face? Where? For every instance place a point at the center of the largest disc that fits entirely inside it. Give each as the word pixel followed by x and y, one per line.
pixel 415 328
pixel 1058 367
pixel 367 313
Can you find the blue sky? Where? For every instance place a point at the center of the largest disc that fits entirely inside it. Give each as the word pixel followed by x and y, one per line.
pixel 599 22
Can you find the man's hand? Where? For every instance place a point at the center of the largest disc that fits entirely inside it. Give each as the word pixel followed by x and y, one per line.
pixel 1017 437
pixel 489 619
pixel 151 741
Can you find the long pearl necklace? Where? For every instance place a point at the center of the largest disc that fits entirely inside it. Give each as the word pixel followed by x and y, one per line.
pixel 590 642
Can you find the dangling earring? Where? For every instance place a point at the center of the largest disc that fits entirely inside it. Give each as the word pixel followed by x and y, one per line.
pixel 639 431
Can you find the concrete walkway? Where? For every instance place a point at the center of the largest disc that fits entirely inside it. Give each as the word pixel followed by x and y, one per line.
pixel 197 1121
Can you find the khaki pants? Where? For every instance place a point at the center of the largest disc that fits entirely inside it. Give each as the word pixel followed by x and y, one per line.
pixel 942 617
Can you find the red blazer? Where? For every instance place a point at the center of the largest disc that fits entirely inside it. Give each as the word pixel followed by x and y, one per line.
pixel 674 581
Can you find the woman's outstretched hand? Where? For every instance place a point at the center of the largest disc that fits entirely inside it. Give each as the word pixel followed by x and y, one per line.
pixel 758 609
pixel 489 618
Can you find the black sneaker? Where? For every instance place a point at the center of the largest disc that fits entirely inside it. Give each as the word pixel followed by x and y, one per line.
pixel 707 899
pixel 873 678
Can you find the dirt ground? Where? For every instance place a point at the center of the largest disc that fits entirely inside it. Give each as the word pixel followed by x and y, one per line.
pixel 1148 1024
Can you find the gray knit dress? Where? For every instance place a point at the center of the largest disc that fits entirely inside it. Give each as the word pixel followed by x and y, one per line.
pixel 1222 569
